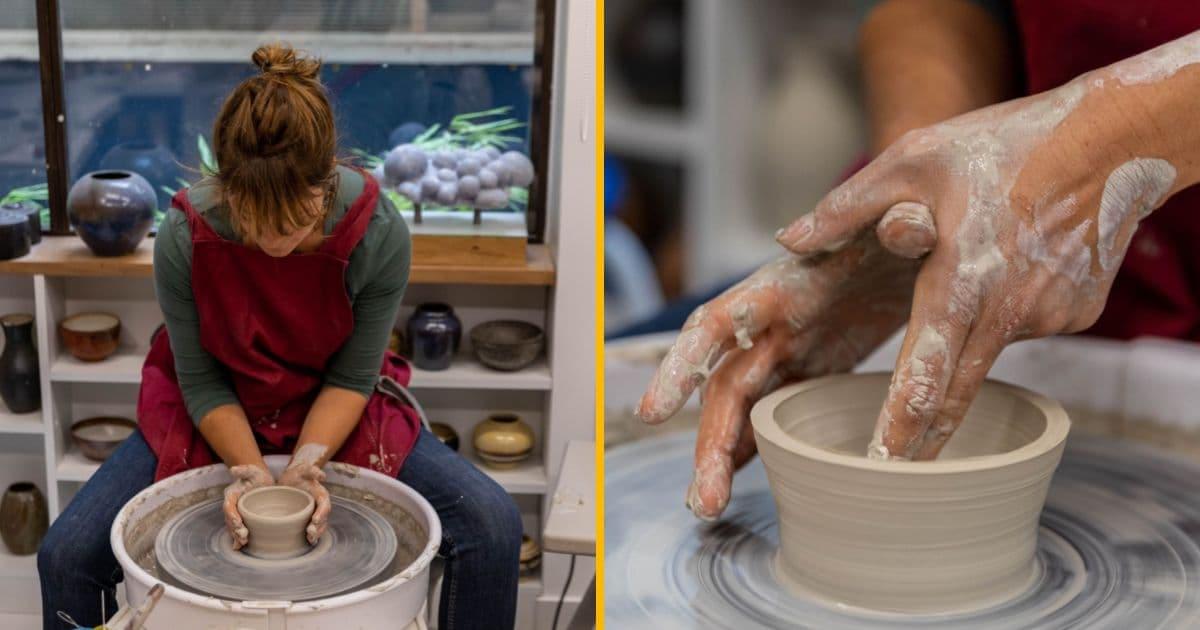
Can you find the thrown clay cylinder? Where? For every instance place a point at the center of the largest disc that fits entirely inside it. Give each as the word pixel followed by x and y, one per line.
pixel 954 534
pixel 276 517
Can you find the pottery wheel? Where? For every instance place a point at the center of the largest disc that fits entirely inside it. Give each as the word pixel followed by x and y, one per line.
pixel 195 551
pixel 1118 548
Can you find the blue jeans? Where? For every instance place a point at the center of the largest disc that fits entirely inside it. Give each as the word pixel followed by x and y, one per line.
pixel 481 538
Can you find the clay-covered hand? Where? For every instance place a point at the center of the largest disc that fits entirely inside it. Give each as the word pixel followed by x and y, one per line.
pixel 246 477
pixel 1035 202
pixel 309 478
pixel 790 319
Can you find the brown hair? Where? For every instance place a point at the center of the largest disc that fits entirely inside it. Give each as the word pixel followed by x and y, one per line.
pixel 275 139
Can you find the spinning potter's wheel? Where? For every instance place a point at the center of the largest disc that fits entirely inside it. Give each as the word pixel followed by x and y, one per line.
pixel 195 550
pixel 1117 548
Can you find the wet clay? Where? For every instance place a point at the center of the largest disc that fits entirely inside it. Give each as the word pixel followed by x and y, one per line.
pixel 954 534
pixel 276 517
pixel 411 536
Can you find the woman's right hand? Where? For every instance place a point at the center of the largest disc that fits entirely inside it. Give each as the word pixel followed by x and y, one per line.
pixel 790 319
pixel 246 477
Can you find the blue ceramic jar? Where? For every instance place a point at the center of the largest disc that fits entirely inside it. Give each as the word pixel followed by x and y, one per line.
pixel 14 235
pixel 434 333
pixel 112 211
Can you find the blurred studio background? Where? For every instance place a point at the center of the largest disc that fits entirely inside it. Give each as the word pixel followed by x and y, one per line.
pixel 724 122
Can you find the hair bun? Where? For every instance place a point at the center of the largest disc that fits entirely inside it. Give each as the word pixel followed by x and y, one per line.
pixel 281 60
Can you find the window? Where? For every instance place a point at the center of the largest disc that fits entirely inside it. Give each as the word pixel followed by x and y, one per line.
pixel 23 153
pixel 144 80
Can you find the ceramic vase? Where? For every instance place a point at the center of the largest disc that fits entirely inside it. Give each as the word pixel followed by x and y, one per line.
pixel 112 211
pixel 434 333
pixel 951 535
pixel 20 384
pixel 445 434
pixel 503 440
pixel 14 235
pixel 23 518
pixel 153 161
pixel 32 213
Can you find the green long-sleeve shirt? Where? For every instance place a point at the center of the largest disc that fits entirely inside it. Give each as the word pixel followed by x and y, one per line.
pixel 376 277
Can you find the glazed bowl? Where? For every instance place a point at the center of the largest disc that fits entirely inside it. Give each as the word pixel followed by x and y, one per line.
pixel 276 517
pixel 531 556
pixel 503 441
pixel 98 437
pixel 91 336
pixel 507 345
pixel 949 535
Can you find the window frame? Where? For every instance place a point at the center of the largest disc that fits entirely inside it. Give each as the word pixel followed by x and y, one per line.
pixel 54 113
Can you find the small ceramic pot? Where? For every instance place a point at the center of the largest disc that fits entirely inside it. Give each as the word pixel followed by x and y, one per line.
pixel 531 556
pixel 503 440
pixel 20 383
pixel 276 517
pixel 434 334
pixel 445 434
pixel 32 213
pixel 950 535
pixel 397 342
pixel 14 235
pixel 112 211
pixel 507 344
pixel 91 336
pixel 98 437
pixel 23 518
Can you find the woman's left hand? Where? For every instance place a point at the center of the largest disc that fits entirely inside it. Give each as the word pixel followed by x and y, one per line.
pixel 307 476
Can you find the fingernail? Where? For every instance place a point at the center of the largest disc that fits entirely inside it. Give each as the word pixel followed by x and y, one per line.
pixel 794 234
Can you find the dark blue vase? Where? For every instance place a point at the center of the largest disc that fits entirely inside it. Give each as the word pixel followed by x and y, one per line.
pixel 20 386
pixel 112 211
pixel 153 161
pixel 434 333
pixel 14 235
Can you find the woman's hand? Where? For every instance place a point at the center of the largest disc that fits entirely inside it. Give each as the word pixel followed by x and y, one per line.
pixel 790 319
pixel 304 472
pixel 1035 202
pixel 246 477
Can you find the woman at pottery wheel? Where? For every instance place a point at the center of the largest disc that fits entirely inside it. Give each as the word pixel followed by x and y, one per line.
pixel 980 221
pixel 280 278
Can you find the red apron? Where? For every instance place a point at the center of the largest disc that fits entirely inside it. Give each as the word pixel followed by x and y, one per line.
pixel 1157 290
pixel 274 324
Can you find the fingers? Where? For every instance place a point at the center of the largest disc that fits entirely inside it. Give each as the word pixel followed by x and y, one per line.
pixel 983 346
pixel 928 359
pixel 736 316
pixel 320 518
pixel 907 230
pixel 847 210
pixel 725 441
pixel 233 520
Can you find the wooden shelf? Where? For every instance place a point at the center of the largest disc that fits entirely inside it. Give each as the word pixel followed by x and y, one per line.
pixel 466 373
pixel 123 367
pixel 68 256
pixel 20 422
pixel 529 477
pixel 75 467
pixel 126 367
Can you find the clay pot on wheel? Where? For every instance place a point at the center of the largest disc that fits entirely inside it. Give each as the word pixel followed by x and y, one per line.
pixel 944 536
pixel 434 333
pixel 112 211
pixel 276 517
pixel 503 440
pixel 23 518
pixel 20 384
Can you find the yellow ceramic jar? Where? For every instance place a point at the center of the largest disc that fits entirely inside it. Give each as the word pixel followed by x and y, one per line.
pixel 503 440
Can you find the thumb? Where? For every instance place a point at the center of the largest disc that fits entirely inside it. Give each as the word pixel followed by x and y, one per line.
pixel 846 211
pixel 907 230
